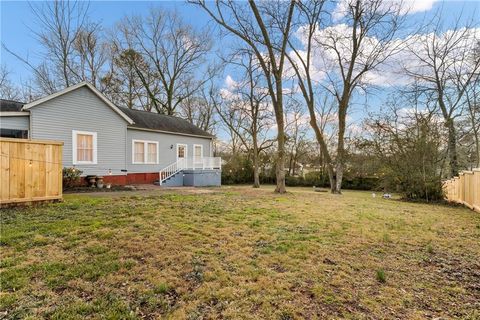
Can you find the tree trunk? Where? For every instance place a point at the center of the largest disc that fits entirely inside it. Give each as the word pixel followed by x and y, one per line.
pixel 256 174
pixel 452 147
pixel 280 165
pixel 477 147
pixel 331 178
pixel 342 115
pixel 338 178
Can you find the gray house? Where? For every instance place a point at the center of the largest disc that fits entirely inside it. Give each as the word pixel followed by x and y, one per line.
pixel 124 146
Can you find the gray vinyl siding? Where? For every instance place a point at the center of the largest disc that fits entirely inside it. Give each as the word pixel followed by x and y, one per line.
pixel 15 122
pixel 82 110
pixel 166 154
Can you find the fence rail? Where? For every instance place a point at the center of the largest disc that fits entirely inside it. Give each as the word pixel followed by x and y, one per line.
pixel 464 189
pixel 30 170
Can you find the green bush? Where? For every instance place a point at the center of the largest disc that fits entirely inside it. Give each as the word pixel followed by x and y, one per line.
pixel 71 177
pixel 238 170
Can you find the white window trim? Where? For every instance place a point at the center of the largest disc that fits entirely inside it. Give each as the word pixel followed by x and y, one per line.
pixel 201 148
pixel 186 150
pixel 145 151
pixel 74 147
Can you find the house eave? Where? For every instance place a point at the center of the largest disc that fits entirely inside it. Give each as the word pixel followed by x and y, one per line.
pixel 170 132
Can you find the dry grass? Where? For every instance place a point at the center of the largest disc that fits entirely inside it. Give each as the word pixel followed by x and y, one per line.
pixel 237 252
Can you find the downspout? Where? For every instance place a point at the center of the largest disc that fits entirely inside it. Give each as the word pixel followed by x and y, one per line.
pixel 126 151
pixel 29 125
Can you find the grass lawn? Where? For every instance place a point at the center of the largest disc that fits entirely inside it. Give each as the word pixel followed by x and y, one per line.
pixel 239 253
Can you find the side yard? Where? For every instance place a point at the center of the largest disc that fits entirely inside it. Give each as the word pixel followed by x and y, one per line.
pixel 236 252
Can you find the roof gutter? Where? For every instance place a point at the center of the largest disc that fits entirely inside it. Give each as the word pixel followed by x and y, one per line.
pixel 14 114
pixel 171 132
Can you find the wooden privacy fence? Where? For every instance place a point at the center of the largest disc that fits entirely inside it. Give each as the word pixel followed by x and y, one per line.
pixel 30 170
pixel 464 189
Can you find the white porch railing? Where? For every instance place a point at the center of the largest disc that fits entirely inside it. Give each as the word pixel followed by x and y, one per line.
pixel 203 163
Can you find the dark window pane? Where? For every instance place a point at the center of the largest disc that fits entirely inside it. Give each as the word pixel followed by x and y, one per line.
pixel 13 133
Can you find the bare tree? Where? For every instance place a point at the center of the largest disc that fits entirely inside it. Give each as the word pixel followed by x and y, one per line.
pixel 92 53
pixel 122 84
pixel 296 128
pixel 473 114
pixel 265 29
pixel 398 137
pixel 8 90
pixel 443 64
pixel 348 53
pixel 73 50
pixel 174 53
pixel 246 109
pixel 199 109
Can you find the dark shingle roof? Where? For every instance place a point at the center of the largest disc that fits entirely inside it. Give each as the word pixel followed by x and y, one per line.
pixel 10 105
pixel 155 121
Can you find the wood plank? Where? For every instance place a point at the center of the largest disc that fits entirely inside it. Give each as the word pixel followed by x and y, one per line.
pixel 39 173
pixel 28 167
pixel 60 169
pixel 29 141
pixel 17 200
pixel 49 169
pixel 17 170
pixel 4 170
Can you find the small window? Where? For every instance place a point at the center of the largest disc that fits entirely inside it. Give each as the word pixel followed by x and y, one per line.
pixel 145 152
pixel 139 152
pixel 84 145
pixel 152 152
pixel 13 133
pixel 198 151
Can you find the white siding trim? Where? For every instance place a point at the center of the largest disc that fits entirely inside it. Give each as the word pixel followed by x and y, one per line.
pixel 74 147
pixel 145 151
pixel 14 114
pixel 71 88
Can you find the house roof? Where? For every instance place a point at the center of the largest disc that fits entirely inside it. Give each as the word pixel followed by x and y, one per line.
pixel 71 88
pixel 10 106
pixel 159 122
pixel 137 119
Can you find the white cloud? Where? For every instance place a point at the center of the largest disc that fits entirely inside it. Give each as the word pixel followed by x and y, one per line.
pixel 230 83
pixel 405 6
pixel 415 6
pixel 399 54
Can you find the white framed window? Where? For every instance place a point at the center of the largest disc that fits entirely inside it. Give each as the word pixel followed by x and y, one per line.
pixel 144 152
pixel 84 147
pixel 197 151
pixel 182 151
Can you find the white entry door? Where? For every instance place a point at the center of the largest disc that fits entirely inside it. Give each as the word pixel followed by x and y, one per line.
pixel 182 155
pixel 181 151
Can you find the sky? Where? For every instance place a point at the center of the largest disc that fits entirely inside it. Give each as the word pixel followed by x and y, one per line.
pixel 17 21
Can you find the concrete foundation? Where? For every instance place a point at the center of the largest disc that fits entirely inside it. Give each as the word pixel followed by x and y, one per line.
pixel 202 178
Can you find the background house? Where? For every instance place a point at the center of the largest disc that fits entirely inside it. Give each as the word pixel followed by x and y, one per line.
pixel 123 145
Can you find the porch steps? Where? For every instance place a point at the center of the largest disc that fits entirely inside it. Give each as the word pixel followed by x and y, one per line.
pixel 175 180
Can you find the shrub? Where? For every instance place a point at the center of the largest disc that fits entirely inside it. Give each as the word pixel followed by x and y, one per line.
pixel 71 177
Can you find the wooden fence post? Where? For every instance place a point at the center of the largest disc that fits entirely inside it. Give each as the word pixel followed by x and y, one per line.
pixel 476 189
